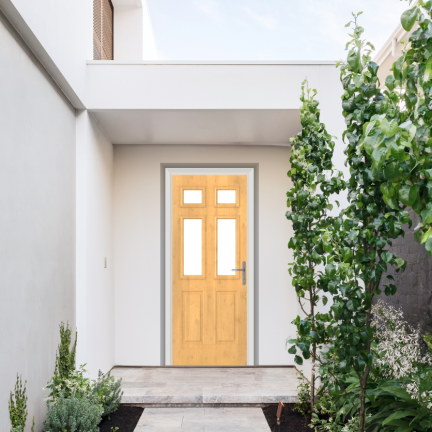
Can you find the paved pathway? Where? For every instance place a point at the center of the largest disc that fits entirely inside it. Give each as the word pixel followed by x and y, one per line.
pixel 202 420
pixel 147 385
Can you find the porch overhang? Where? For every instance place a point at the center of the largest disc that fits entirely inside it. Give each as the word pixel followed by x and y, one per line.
pixel 220 103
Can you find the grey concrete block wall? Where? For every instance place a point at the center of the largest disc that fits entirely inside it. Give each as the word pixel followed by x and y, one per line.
pixel 37 222
pixel 414 293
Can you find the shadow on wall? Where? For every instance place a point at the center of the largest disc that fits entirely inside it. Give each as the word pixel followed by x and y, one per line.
pixel 414 286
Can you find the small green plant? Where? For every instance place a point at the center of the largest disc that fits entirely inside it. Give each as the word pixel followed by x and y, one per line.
pixel 108 392
pixel 72 414
pixel 65 362
pixel 76 384
pixel 326 417
pixel 18 408
pixel 303 391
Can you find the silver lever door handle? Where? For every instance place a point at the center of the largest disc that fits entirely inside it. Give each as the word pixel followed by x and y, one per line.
pixel 244 272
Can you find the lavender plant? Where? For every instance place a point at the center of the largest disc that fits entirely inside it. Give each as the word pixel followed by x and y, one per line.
pixel 72 414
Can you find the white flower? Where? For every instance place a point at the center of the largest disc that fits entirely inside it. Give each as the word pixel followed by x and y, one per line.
pixel 400 345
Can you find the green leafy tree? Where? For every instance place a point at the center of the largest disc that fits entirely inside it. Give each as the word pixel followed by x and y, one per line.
pixel 359 259
pixel 309 199
pixel 409 165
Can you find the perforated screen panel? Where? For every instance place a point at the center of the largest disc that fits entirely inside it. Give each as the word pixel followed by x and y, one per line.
pixel 103 30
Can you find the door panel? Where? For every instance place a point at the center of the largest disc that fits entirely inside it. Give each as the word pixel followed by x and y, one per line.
pixel 209 240
pixel 192 312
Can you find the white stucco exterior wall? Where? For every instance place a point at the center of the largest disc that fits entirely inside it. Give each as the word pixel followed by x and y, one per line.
pixel 95 288
pixel 64 29
pixel 128 32
pixel 133 31
pixel 137 246
pixel 37 223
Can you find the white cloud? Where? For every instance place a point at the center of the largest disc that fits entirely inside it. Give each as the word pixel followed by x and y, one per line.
pixel 268 22
pixel 208 7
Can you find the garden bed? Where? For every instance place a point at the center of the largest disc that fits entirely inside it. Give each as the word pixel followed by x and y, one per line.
pixel 291 420
pixel 125 419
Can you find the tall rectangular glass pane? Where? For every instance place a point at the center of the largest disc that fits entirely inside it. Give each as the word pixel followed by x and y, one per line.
pixel 226 247
pixel 192 247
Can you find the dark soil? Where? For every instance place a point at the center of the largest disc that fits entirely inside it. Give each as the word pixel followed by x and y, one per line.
pixel 125 418
pixel 291 420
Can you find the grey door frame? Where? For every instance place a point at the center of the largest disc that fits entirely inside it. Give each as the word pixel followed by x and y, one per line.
pixel 167 173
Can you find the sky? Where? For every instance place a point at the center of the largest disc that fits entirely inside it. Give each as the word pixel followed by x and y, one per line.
pixel 266 29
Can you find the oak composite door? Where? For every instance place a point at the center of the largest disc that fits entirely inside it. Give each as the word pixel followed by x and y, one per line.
pixel 209 306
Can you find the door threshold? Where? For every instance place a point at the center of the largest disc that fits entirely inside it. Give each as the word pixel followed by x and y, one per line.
pixel 196 367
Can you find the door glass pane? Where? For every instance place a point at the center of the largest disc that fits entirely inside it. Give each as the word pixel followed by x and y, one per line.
pixel 226 247
pixel 192 247
pixel 192 196
pixel 226 196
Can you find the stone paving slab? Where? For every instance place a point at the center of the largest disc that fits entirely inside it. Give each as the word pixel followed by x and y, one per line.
pixel 149 385
pixel 202 420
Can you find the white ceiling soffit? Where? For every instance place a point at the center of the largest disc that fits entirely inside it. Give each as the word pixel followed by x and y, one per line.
pixel 235 127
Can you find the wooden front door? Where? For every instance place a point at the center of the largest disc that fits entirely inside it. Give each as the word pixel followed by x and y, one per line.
pixel 209 298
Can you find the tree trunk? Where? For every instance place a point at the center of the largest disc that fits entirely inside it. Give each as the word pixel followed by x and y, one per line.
pixel 312 388
pixel 362 413
pixel 312 384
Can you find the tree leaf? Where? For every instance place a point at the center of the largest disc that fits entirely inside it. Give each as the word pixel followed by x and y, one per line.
pixel 354 59
pixel 347 255
pixel 404 217
pixel 389 128
pixel 392 171
pixel 298 360
pixel 379 156
pixel 398 415
pixel 373 141
pixel 426 235
pixel 389 82
pixel 428 245
pixel 352 305
pixel 408 194
pixel 408 18
pixel 330 271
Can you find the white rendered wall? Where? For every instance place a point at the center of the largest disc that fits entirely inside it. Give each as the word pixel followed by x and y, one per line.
pixel 137 246
pixel 128 33
pixel 64 29
pixel 149 42
pixel 211 85
pixel 37 223
pixel 95 289
pixel 133 32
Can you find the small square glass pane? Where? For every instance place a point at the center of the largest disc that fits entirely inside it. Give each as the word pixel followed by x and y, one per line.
pixel 192 197
pixel 226 196
pixel 226 247
pixel 192 247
